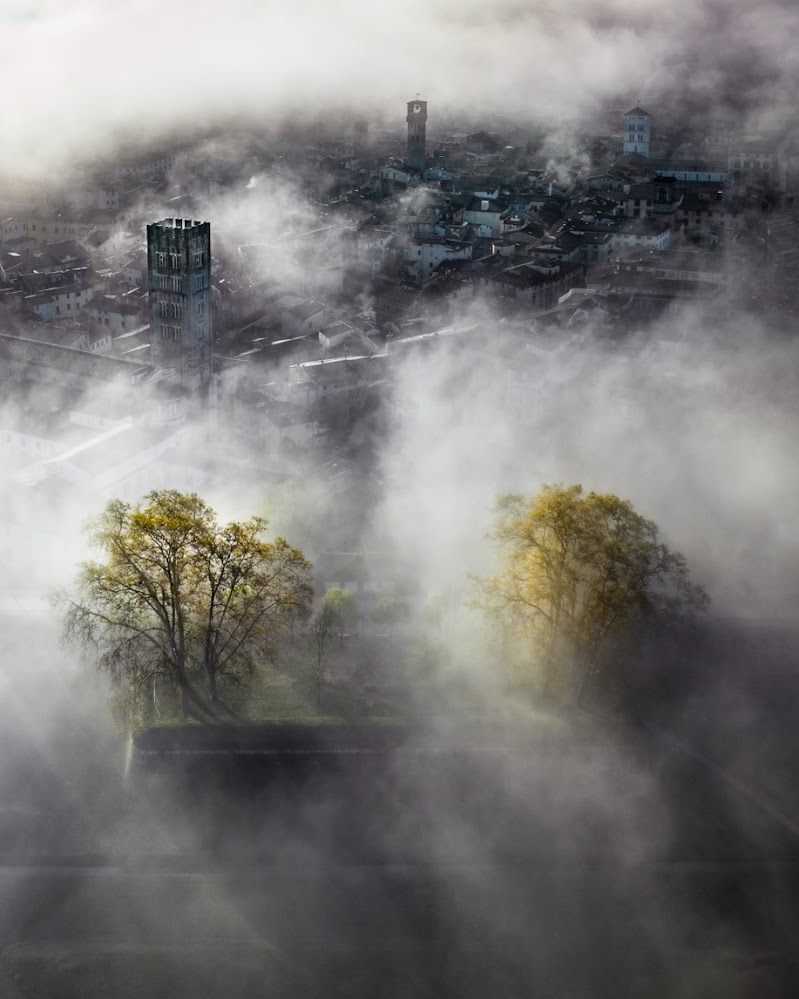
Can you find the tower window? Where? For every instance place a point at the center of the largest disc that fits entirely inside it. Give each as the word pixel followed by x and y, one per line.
pixel 160 258
pixel 163 309
pixel 177 310
pixel 199 259
pixel 174 260
pixel 164 331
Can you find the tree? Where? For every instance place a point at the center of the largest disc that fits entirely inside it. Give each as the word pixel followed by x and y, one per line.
pixel 337 610
pixel 178 598
pixel 580 572
pixel 390 611
pixel 341 608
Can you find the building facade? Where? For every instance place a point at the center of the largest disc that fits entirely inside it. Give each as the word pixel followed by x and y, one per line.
pixel 417 126
pixel 179 281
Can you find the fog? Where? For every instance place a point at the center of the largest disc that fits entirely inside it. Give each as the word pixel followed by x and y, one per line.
pixel 88 75
pixel 696 431
pixel 582 861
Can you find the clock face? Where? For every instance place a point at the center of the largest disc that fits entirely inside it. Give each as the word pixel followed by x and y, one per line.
pixel 417 108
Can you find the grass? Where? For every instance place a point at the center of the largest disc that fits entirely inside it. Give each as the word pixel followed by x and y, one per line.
pixel 369 682
pixel 287 694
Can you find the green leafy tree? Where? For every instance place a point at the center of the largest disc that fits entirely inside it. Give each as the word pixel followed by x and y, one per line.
pixel 390 611
pixel 178 599
pixel 341 607
pixel 579 573
pixel 337 611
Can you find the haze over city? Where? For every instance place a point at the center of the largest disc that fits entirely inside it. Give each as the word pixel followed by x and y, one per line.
pixel 362 273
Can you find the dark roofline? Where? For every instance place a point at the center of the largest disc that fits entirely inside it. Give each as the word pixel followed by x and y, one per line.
pixel 70 359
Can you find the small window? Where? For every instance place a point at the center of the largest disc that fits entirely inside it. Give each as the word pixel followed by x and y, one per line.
pixel 174 260
pixel 164 331
pixel 160 258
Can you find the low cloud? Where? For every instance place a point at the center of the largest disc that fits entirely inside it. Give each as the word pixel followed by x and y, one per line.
pixel 84 77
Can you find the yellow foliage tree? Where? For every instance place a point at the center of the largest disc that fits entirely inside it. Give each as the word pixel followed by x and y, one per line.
pixel 180 600
pixel 579 572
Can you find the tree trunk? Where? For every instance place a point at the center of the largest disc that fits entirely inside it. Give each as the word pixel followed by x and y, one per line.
pixel 218 705
pixel 191 704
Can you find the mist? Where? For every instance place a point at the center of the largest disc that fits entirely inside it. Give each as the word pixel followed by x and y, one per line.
pixel 488 844
pixel 697 431
pixel 141 71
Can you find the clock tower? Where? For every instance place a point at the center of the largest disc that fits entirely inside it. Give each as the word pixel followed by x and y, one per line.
pixel 417 120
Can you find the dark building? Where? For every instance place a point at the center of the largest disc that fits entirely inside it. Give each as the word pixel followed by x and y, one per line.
pixel 417 122
pixel 179 280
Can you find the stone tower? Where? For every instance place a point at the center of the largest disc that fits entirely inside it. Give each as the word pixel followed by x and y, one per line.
pixel 417 121
pixel 636 131
pixel 179 280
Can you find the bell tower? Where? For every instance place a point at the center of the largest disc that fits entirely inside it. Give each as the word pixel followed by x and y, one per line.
pixel 179 278
pixel 417 122
pixel 637 128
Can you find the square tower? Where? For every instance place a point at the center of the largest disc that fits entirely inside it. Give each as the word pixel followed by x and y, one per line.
pixel 636 131
pixel 417 122
pixel 179 281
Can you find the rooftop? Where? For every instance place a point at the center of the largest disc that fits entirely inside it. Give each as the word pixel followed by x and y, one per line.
pixel 178 224
pixel 67 359
pixel 306 310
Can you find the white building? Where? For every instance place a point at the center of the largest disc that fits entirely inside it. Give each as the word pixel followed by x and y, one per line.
pixel 305 317
pixel 637 125
pixel 59 303
pixel 642 232
pixel 418 256
pixel 486 214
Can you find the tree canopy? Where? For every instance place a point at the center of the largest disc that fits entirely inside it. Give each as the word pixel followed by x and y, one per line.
pixel 390 611
pixel 578 572
pixel 177 598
